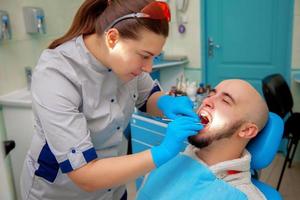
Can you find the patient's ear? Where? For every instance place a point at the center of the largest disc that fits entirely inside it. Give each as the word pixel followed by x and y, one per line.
pixel 248 131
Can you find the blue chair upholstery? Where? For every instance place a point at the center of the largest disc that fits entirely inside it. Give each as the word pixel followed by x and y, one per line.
pixel 263 149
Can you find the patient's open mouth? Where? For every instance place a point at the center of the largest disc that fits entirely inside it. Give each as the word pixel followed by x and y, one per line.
pixel 204 118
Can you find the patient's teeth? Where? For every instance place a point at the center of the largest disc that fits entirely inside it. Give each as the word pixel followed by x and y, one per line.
pixel 204 119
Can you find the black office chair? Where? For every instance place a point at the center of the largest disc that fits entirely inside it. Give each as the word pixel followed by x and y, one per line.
pixel 280 101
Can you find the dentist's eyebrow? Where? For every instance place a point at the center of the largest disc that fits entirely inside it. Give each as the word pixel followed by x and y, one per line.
pixel 229 96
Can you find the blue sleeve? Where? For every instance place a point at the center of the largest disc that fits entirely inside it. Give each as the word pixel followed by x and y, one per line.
pixel 143 108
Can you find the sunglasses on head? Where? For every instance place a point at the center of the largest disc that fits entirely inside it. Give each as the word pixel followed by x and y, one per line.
pixel 155 10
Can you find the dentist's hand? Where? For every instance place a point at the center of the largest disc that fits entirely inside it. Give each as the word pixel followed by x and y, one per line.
pixel 176 133
pixel 173 107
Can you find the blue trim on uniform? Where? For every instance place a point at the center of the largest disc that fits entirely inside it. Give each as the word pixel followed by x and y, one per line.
pixel 89 155
pixel 49 167
pixel 143 108
pixel 65 166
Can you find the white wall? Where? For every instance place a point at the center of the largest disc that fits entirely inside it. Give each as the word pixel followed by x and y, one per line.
pixel 189 42
pixel 24 49
pixel 296 57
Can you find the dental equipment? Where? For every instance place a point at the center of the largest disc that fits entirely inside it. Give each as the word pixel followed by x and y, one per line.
pixel 170 120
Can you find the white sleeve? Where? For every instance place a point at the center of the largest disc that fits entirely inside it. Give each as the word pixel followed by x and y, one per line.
pixel 56 103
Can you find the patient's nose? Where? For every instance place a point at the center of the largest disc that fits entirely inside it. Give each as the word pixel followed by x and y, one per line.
pixel 208 102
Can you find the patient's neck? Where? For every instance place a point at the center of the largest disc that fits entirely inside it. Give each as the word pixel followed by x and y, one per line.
pixel 220 151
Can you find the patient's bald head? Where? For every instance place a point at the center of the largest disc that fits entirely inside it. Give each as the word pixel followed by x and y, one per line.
pixel 234 106
pixel 252 105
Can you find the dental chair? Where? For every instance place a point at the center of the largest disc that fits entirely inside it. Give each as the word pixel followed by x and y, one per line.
pixel 279 98
pixel 263 149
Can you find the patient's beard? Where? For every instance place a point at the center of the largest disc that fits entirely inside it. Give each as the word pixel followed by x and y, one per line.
pixel 201 140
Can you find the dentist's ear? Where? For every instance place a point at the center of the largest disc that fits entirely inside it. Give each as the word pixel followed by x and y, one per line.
pixel 111 37
pixel 248 131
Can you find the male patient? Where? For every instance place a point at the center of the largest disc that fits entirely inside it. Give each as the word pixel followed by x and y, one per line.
pixel 216 165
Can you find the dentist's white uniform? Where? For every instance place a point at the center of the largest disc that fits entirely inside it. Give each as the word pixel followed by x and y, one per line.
pixel 81 109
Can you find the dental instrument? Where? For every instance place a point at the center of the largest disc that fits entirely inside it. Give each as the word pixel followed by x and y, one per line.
pixel 170 120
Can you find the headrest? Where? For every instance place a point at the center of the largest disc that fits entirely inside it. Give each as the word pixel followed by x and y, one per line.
pixel 277 94
pixel 265 145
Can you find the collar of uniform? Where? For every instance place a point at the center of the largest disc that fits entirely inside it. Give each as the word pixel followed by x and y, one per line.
pixel 92 62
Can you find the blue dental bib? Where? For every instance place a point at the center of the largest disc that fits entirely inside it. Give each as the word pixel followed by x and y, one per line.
pixel 184 178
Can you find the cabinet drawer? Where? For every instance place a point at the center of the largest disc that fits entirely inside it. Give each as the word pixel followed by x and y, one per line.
pixel 148 136
pixel 138 146
pixel 149 123
pixel 147 132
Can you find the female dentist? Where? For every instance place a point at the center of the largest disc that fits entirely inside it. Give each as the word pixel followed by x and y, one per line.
pixel 84 89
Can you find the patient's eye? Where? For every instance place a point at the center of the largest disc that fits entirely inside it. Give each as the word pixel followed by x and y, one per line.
pixel 211 93
pixel 227 100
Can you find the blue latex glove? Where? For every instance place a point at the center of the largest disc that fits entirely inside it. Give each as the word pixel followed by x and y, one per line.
pixel 177 131
pixel 172 107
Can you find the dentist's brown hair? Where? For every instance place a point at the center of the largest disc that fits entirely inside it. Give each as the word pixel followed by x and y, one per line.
pixel 94 16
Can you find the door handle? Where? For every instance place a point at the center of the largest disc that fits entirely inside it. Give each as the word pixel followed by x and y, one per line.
pixel 211 47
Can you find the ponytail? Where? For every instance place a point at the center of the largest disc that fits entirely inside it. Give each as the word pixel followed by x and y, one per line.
pixel 84 21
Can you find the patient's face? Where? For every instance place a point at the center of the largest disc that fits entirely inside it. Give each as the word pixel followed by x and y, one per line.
pixel 224 108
